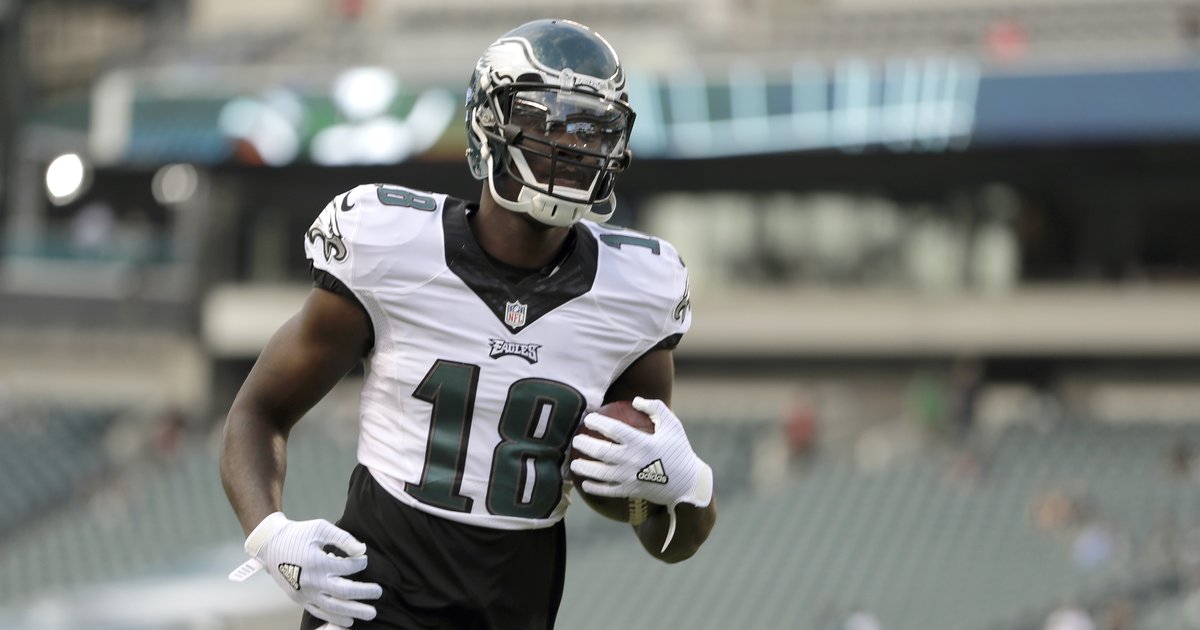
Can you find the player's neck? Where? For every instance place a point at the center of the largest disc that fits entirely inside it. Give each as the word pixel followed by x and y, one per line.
pixel 514 238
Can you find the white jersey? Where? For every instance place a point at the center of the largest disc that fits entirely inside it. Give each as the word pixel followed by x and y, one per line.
pixel 475 385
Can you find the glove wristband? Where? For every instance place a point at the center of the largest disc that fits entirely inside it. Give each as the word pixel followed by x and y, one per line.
pixel 264 531
pixel 700 496
pixel 702 493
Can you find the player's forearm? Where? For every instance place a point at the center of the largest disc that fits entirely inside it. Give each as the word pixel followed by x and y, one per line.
pixel 253 464
pixel 692 527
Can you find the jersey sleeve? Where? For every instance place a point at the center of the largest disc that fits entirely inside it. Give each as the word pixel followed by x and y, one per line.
pixel 373 237
pixel 330 244
pixel 370 239
pixel 644 288
pixel 677 318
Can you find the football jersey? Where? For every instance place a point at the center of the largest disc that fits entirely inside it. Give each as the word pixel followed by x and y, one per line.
pixel 475 384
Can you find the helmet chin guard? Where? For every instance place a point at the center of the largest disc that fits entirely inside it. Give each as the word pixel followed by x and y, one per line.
pixel 546 108
pixel 552 210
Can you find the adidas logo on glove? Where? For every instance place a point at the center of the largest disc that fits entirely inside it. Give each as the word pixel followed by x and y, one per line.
pixel 291 573
pixel 654 473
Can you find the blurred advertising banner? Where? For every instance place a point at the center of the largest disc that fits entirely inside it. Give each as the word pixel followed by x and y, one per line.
pixel 370 115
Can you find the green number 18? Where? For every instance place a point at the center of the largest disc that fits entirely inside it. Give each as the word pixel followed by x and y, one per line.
pixel 538 420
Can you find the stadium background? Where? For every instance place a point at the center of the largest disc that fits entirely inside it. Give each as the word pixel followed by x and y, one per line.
pixel 946 277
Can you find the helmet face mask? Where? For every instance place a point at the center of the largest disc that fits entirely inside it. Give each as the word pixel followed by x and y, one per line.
pixel 561 136
pixel 565 144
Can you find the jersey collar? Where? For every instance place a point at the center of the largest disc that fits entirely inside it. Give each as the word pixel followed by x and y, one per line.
pixel 532 297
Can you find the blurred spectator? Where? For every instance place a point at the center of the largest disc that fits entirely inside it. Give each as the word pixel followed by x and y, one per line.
pixel 861 620
pixel 1069 618
pixel 1191 609
pixel 800 431
pixel 1094 541
pixel 124 442
pixel 7 408
pixel 1056 512
pixel 967 469
pixel 1189 21
pixel 1181 462
pixel 349 10
pixel 1006 40
pixel 881 445
pixel 349 18
pixel 1118 615
pixel 925 402
pixel 966 380
pixel 171 427
pixel 944 406
pixel 1095 545
pixel 1047 409
pixel 110 501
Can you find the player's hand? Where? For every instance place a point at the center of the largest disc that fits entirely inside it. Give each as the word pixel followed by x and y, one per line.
pixel 293 552
pixel 659 467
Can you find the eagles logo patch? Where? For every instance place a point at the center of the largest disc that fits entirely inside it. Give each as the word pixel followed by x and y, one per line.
pixel 330 234
pixel 684 304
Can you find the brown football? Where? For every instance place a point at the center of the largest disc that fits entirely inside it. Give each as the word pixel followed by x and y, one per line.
pixel 617 508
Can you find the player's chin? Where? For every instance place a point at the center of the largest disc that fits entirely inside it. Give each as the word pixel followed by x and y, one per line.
pixel 538 225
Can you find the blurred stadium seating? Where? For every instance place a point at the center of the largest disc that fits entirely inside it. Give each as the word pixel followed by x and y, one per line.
pixel 928 550
pixel 46 457
pixel 945 360
pixel 1045 512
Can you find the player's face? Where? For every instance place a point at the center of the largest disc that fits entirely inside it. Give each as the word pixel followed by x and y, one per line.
pixel 567 136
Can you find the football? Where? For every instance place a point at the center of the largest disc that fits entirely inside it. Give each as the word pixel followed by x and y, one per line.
pixel 631 511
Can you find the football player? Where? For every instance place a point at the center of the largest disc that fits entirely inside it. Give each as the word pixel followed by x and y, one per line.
pixel 488 331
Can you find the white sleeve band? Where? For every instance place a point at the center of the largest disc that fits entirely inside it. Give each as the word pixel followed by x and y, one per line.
pixel 702 493
pixel 247 569
pixel 265 530
pixel 700 497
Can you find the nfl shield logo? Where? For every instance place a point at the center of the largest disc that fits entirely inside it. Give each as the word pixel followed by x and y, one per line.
pixel 514 314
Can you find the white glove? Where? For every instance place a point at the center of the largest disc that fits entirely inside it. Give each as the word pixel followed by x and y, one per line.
pixel 293 553
pixel 659 467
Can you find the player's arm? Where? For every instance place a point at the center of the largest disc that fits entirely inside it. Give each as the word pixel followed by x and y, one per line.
pixel 652 377
pixel 305 358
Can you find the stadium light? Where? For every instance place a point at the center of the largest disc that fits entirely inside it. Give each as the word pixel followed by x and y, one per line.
pixel 174 184
pixel 66 178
